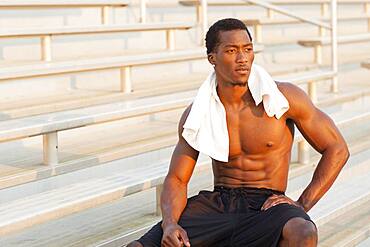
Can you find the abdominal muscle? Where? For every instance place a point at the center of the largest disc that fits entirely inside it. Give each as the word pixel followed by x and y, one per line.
pixel 269 171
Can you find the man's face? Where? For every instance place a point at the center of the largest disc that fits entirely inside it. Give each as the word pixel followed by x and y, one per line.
pixel 233 57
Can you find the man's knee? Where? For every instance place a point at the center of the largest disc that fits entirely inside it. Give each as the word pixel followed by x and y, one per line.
pixel 135 244
pixel 301 229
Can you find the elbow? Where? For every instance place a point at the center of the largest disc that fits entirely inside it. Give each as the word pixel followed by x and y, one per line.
pixel 342 153
pixel 175 181
pixel 345 152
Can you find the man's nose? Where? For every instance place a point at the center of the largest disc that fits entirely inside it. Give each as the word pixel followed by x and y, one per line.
pixel 241 57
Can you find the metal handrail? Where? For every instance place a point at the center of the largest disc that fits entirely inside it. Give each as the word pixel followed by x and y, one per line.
pixel 332 27
pixel 334 46
pixel 287 13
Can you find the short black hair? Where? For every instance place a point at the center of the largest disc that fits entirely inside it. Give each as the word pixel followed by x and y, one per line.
pixel 228 24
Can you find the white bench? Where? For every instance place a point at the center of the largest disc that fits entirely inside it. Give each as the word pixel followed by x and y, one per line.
pixel 105 5
pixel 318 42
pixel 366 64
pixel 49 125
pixel 124 63
pixel 276 2
pixel 310 78
pixel 47 33
pixel 60 3
pixel 258 23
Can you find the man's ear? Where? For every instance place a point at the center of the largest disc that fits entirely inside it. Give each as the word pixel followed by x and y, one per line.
pixel 211 58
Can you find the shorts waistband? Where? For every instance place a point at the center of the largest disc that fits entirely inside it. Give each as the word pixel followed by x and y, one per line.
pixel 253 190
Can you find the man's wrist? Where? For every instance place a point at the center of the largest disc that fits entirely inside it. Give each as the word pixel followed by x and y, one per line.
pixel 303 204
pixel 167 222
pixel 299 204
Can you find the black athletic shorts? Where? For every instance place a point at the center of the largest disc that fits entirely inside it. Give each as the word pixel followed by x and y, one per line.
pixel 230 217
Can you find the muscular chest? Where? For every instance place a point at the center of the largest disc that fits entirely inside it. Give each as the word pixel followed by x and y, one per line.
pixel 251 131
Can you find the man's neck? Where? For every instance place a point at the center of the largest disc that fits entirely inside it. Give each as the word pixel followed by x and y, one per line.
pixel 232 95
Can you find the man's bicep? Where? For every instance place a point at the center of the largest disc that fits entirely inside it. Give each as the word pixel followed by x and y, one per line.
pixel 319 130
pixel 183 162
pixel 184 156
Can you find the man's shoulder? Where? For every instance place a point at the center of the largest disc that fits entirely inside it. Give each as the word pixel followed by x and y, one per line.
pixel 299 101
pixel 292 92
pixel 287 88
pixel 185 114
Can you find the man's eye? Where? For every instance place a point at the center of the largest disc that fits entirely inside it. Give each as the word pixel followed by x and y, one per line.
pixel 249 49
pixel 230 51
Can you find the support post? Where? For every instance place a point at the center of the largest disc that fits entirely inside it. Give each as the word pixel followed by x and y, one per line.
pixel 143 11
pixel 198 11
pixel 324 9
pixel 312 91
pixel 270 13
pixel 203 18
pixel 258 33
pixel 334 46
pixel 318 54
pixel 46 48
pixel 303 152
pixel 126 83
pixel 367 12
pixel 159 190
pixel 105 15
pixel 322 31
pixel 367 8
pixel 50 143
pixel 170 39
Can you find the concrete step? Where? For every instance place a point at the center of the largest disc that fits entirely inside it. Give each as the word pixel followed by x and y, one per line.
pixel 365 243
pixel 35 209
pixel 56 203
pixel 357 145
pixel 87 147
pixel 347 229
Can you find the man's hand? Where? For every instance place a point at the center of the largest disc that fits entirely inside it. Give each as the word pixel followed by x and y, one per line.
pixel 278 199
pixel 174 236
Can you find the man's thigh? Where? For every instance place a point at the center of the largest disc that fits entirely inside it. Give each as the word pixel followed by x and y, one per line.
pixel 264 228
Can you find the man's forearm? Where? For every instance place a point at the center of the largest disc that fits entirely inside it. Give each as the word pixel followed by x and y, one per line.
pixel 328 168
pixel 173 200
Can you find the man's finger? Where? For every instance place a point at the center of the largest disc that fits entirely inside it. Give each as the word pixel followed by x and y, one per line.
pixel 268 202
pixel 275 200
pixel 185 239
pixel 280 201
pixel 174 241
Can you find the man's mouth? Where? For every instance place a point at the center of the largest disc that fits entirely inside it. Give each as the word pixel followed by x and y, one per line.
pixel 242 70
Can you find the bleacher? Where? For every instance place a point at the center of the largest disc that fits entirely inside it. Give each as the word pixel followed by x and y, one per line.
pixel 91 95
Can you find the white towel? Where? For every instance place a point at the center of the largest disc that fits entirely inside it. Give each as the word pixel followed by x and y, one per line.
pixel 205 128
